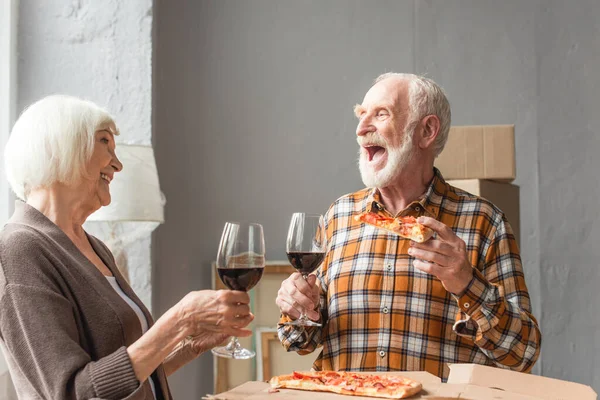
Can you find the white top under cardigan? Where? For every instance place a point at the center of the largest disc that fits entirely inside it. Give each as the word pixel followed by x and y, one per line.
pixel 138 311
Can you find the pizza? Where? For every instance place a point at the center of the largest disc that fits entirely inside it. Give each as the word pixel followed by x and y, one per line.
pixel 406 227
pixel 349 383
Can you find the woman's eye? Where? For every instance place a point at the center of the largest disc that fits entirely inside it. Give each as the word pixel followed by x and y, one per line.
pixel 104 140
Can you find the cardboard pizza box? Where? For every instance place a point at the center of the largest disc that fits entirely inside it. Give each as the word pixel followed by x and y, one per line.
pixel 505 196
pixel 479 152
pixel 517 384
pixel 466 382
pixel 473 392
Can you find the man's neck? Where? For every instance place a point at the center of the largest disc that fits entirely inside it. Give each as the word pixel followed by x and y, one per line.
pixel 408 187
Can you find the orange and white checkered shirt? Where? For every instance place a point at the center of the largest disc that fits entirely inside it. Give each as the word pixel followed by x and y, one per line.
pixel 379 313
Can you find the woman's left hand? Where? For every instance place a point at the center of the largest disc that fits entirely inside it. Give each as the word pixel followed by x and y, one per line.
pixel 191 347
pixel 204 341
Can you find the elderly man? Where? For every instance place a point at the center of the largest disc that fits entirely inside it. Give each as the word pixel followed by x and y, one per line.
pixel 387 303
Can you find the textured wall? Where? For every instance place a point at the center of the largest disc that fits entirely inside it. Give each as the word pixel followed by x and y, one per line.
pixel 569 57
pixel 253 120
pixel 254 113
pixel 101 51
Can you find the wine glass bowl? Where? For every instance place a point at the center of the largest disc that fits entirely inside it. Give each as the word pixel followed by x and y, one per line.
pixel 305 249
pixel 240 264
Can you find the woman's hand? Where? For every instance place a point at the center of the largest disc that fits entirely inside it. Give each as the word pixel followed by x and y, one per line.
pixel 199 322
pixel 224 312
pixel 190 348
pixel 204 341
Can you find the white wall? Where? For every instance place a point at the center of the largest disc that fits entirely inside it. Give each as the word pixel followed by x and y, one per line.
pixel 101 51
pixel 254 113
pixel 8 63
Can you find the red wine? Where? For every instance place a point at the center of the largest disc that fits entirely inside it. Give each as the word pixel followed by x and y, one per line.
pixel 305 262
pixel 242 279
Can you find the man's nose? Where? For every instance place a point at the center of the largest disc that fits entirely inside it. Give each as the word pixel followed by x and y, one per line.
pixel 364 126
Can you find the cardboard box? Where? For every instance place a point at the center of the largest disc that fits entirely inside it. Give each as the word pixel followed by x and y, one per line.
pixel 466 382
pixel 531 386
pixel 504 196
pixel 479 152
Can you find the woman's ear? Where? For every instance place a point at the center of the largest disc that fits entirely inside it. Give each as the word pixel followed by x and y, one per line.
pixel 430 127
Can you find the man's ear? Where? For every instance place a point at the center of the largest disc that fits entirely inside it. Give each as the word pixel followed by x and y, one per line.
pixel 429 129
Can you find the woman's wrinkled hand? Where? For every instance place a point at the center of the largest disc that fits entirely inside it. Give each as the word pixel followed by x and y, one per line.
pixel 190 348
pixel 204 341
pixel 224 312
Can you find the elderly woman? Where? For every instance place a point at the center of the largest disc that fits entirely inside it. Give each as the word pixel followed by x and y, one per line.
pixel 70 325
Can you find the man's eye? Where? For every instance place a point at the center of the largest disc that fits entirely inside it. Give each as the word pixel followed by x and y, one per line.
pixel 382 113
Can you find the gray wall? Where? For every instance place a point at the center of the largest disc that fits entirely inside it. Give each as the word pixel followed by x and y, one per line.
pixel 253 114
pixel 568 49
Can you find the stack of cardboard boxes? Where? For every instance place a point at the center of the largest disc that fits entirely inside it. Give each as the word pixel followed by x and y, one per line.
pixel 481 161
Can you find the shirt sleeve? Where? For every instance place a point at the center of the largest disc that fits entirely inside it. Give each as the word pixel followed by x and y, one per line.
pixel 495 310
pixel 39 331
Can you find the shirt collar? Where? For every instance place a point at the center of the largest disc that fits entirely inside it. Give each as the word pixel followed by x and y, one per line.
pixel 428 203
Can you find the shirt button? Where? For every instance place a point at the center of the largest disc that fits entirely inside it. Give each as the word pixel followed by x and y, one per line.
pixel 389 267
pixel 385 310
pixel 467 305
pixel 382 353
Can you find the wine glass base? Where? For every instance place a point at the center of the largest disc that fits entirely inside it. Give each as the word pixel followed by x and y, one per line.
pixel 306 322
pixel 237 354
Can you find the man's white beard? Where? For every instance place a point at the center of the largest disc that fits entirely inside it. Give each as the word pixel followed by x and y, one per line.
pixel 397 159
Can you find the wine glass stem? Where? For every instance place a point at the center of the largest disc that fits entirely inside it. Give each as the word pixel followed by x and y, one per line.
pixel 233 345
pixel 303 317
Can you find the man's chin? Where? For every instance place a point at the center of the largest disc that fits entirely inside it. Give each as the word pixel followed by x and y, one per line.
pixel 371 179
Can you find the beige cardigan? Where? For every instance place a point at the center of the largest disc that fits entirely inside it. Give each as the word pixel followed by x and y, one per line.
pixel 63 328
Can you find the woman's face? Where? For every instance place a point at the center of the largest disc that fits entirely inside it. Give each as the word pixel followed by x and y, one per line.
pixel 102 166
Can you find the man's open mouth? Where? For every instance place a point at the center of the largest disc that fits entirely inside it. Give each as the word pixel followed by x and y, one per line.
pixel 374 152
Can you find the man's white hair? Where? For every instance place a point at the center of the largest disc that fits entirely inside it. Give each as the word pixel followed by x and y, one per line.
pixel 425 97
pixel 51 142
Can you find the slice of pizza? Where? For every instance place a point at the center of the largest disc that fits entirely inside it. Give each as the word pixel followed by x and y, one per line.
pixel 406 227
pixel 349 383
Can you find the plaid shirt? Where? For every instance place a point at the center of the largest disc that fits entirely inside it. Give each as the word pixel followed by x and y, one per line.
pixel 379 313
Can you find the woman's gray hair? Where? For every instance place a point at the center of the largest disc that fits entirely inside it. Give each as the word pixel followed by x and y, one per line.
pixel 425 97
pixel 51 142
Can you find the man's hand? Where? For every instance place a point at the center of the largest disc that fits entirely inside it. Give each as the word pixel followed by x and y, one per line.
pixel 444 257
pixel 297 295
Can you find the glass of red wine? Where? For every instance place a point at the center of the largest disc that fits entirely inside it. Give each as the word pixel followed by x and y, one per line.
pixel 240 264
pixel 305 248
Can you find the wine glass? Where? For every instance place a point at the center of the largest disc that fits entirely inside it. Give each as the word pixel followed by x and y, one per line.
pixel 305 248
pixel 240 264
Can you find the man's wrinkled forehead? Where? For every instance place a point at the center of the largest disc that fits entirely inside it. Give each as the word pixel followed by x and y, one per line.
pixel 392 92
